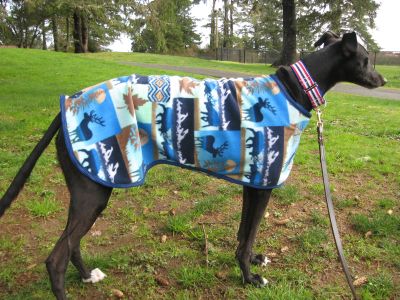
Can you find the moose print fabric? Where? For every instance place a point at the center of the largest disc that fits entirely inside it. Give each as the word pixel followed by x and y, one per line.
pixel 245 130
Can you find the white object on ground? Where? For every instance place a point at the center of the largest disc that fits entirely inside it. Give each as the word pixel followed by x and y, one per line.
pixel 96 275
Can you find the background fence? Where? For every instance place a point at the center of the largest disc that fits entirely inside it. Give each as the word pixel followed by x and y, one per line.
pixel 270 56
pixel 241 55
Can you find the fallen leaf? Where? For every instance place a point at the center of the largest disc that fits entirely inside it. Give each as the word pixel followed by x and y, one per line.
pixel 282 222
pixel 163 238
pixel 117 293
pixel 221 275
pixel 360 281
pixel 272 255
pixel 161 281
pixel 284 249
pixel 172 212
pixel 368 234
pixel 31 266
pixel 96 233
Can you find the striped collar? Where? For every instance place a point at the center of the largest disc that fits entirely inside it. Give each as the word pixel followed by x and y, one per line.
pixel 308 84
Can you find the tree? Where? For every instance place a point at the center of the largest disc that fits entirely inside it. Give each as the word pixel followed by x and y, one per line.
pixel 96 22
pixel 164 26
pixel 214 26
pixel 261 24
pixel 349 15
pixel 288 52
pixel 226 25
pixel 22 22
pixel 317 16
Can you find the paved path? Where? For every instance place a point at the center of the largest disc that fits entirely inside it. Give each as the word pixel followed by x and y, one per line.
pixel 385 93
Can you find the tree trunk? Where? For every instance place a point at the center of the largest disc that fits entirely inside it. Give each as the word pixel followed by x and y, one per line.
pixel 77 32
pixel 25 38
pixel 34 36
pixel 216 32
pixel 288 53
pixel 226 24
pixel 85 34
pixel 55 32
pixel 231 23
pixel 44 44
pixel 67 35
pixel 213 29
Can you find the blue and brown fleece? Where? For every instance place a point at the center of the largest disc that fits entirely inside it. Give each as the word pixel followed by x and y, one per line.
pixel 244 130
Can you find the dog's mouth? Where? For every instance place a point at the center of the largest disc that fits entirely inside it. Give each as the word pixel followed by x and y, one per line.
pixel 375 82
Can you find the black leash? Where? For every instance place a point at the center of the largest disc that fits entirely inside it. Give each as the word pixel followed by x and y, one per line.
pixel 329 203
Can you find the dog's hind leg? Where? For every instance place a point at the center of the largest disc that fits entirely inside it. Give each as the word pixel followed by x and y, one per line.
pixel 255 202
pixel 247 213
pixel 88 199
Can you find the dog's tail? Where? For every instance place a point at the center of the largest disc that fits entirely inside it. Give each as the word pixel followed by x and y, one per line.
pixel 26 169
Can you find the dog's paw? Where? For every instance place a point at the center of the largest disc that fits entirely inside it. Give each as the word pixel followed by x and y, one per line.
pixel 257 280
pixel 264 281
pixel 260 260
pixel 96 275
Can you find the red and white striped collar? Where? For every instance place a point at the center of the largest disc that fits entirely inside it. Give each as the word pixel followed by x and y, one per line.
pixel 309 86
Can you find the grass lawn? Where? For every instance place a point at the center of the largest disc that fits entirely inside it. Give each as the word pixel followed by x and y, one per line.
pixel 363 147
pixel 392 73
pixel 182 61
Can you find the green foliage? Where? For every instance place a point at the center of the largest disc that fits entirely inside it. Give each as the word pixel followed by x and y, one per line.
pixel 338 16
pixel 263 21
pixel 386 203
pixel 380 223
pixel 43 207
pixel 379 287
pixel 318 219
pixel 164 26
pixel 195 277
pixel 280 291
pixel 24 23
pixel 311 239
pixel 286 195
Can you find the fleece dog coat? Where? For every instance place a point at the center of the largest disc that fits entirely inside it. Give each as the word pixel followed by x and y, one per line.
pixel 244 130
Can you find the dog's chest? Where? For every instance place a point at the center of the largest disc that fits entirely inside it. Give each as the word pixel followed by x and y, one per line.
pixel 242 130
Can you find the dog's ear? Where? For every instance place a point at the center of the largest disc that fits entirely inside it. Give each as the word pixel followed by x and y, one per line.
pixel 349 44
pixel 327 38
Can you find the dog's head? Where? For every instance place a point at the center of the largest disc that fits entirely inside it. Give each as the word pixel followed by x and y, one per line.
pixel 355 66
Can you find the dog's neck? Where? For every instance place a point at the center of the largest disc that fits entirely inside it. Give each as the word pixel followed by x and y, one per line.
pixel 322 66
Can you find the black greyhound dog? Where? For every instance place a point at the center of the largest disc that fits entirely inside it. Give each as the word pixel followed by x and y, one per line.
pixel 341 59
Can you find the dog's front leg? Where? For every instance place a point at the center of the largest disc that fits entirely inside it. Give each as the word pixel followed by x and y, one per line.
pixel 255 202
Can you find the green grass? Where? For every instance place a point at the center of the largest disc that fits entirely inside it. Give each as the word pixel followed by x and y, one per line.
pixel 363 152
pixel 379 223
pixel 286 195
pixel 391 73
pixel 182 61
pixel 195 277
pixel 43 207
